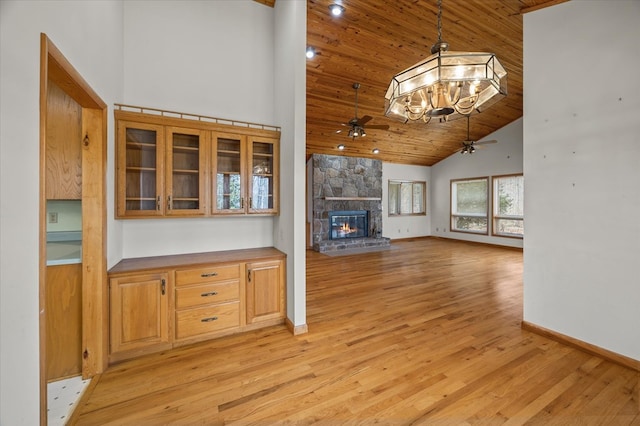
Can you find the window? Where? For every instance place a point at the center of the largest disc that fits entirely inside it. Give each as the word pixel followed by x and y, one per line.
pixel 407 198
pixel 508 206
pixel 469 205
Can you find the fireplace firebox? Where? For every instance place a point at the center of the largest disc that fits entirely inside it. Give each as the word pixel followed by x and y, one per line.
pixel 348 224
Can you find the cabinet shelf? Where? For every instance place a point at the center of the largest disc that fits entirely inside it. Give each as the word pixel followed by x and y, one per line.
pixel 185 199
pixel 140 145
pixel 191 149
pixel 186 171
pixel 263 155
pixel 227 151
pixel 263 174
pixel 141 199
pixel 141 169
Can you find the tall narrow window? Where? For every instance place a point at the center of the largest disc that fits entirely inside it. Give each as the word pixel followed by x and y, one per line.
pixel 470 205
pixel 407 198
pixel 508 206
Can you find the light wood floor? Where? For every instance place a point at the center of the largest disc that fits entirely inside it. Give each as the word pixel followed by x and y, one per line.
pixel 425 333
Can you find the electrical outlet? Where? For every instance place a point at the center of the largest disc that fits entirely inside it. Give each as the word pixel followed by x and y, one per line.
pixel 53 217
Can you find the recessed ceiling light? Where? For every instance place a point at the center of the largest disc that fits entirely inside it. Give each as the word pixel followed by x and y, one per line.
pixel 340 147
pixel 375 151
pixel 311 52
pixel 336 9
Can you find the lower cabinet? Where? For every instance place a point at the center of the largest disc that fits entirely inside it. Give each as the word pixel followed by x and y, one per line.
pixel 265 293
pixel 162 302
pixel 139 313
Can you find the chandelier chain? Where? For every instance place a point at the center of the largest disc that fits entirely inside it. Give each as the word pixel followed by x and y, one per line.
pixel 439 20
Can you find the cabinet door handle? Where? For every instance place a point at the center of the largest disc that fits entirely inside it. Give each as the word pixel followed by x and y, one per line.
pixel 211 293
pixel 249 275
pixel 158 203
pixel 242 203
pixel 163 287
pixel 250 202
pixel 209 274
pixel 209 319
pixel 169 202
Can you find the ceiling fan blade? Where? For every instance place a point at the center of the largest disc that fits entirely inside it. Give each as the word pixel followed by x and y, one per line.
pixel 485 142
pixel 364 119
pixel 378 126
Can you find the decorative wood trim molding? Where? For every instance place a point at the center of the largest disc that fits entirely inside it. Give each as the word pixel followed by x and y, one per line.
pixel 353 198
pixel 296 329
pixel 584 346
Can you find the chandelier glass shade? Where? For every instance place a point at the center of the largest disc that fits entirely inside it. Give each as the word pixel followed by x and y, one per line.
pixel 447 85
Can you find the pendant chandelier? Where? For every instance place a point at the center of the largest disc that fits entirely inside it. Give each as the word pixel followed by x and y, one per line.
pixel 446 85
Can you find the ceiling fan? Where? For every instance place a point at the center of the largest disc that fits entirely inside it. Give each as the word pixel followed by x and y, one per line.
pixel 357 125
pixel 469 146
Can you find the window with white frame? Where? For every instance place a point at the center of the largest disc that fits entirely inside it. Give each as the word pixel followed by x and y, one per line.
pixel 470 205
pixel 407 198
pixel 508 206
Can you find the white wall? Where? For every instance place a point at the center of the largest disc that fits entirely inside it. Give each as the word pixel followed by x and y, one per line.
pixel 504 157
pixel 290 109
pixel 89 34
pixel 212 58
pixel 206 57
pixel 582 168
pixel 405 226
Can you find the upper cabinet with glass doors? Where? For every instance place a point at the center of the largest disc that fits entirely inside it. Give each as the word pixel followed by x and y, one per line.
pixel 263 175
pixel 244 174
pixel 140 169
pixel 174 167
pixel 185 172
pixel 228 173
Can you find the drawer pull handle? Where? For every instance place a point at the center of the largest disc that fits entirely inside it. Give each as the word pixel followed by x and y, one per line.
pixel 211 293
pixel 210 274
pixel 209 319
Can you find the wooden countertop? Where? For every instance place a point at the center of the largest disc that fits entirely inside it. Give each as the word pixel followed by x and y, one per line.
pixel 194 259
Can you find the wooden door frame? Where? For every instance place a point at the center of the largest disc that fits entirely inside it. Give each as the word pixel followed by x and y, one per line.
pixel 56 68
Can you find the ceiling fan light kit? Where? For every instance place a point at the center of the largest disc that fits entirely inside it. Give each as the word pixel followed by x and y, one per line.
pixel 468 146
pixel 447 85
pixel 357 125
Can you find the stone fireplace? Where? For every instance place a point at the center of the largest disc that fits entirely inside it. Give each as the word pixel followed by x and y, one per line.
pixel 343 186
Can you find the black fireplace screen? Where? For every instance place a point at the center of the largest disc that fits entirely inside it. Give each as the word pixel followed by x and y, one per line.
pixel 348 224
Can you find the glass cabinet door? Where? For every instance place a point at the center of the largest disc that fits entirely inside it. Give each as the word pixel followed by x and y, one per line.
pixel 185 165
pixel 140 169
pixel 263 176
pixel 228 185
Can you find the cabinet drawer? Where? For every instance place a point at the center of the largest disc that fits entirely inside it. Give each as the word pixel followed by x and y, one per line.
pixel 207 275
pixel 205 294
pixel 209 319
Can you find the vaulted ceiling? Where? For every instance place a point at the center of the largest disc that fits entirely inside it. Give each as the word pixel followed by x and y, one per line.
pixel 375 39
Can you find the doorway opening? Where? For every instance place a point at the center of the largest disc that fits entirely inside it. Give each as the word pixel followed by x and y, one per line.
pixel 73 148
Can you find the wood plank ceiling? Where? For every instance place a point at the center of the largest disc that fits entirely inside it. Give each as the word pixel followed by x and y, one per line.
pixel 375 39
